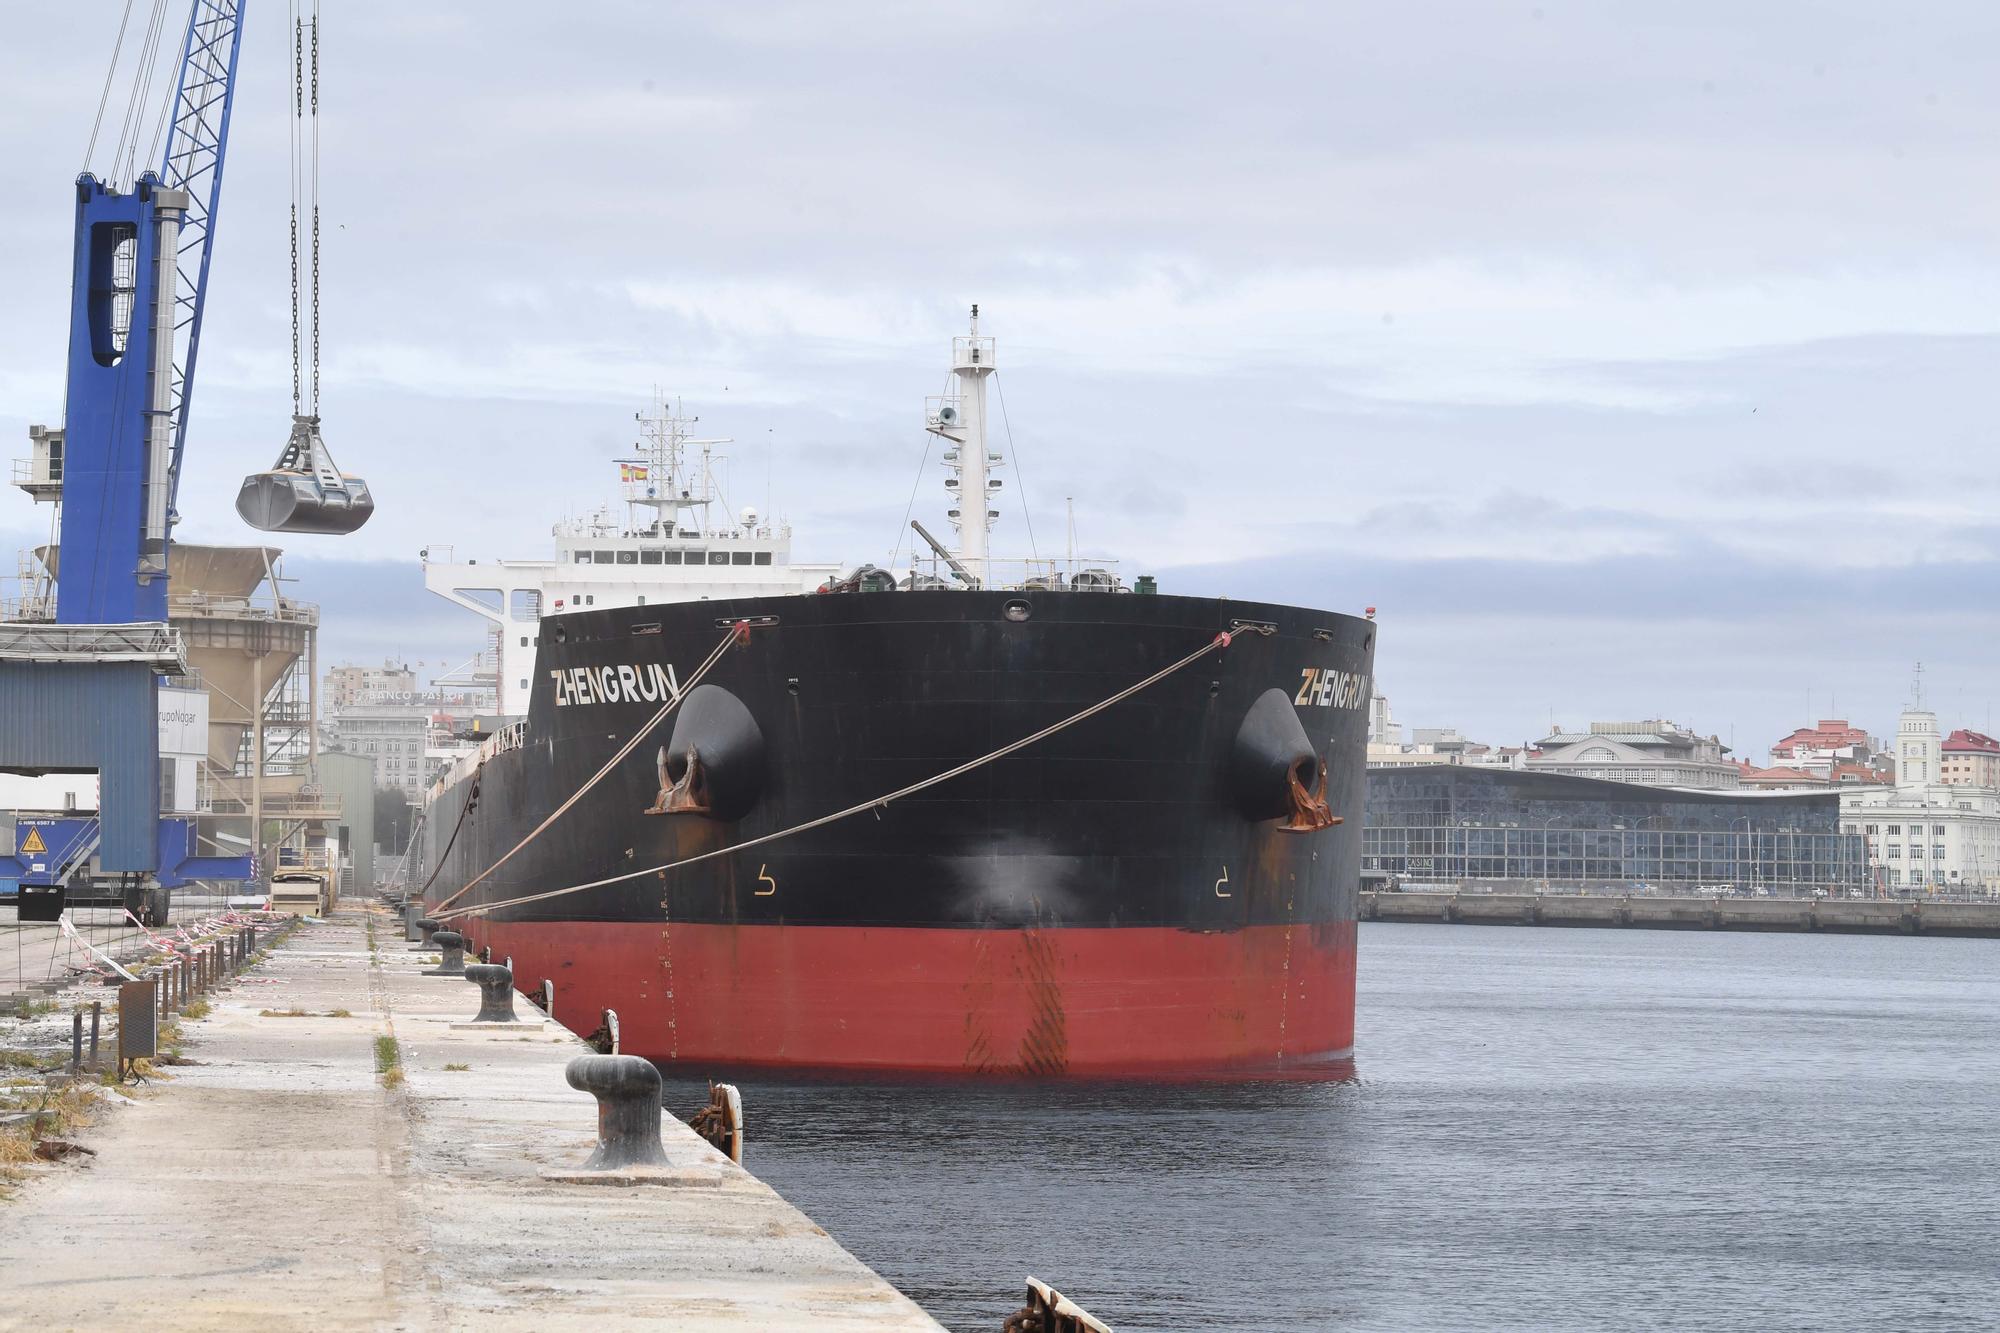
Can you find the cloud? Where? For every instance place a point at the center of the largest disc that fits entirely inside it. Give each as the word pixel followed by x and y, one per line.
pixel 1654 316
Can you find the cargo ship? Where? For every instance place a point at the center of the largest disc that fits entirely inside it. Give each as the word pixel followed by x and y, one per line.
pixel 969 817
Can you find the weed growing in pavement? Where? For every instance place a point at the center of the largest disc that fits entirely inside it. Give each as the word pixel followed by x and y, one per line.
pixel 456 1069
pixel 339 1013
pixel 198 1009
pixel 389 1061
pixel 283 1013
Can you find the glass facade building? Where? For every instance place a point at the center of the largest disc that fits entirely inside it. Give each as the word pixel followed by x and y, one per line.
pixel 1455 825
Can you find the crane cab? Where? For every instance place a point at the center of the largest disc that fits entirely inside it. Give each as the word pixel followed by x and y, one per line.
pixel 305 492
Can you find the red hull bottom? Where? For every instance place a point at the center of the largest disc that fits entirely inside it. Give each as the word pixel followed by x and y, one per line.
pixel 1083 1002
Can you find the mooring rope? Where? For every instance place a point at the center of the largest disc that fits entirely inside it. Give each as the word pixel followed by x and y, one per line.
pixel 471 800
pixel 738 631
pixel 1221 640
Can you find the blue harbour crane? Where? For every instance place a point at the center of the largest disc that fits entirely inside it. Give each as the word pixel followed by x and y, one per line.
pixel 80 694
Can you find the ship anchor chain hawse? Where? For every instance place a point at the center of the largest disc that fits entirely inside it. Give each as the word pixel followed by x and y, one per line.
pixel 969 815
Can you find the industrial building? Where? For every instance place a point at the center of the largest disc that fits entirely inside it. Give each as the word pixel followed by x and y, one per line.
pixel 1468 827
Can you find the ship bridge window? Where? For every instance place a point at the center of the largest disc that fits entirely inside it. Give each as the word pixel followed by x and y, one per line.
pixel 739 557
pixel 670 557
pixel 583 557
pixel 762 558
pixel 697 557
pixel 649 557
pixel 718 557
pixel 628 557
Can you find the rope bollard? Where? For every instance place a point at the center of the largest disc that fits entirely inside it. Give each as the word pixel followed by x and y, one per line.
pixel 412 914
pixel 496 992
pixel 627 1089
pixel 451 946
pixel 427 930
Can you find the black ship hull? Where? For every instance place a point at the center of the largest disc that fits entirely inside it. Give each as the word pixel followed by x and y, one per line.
pixel 1124 897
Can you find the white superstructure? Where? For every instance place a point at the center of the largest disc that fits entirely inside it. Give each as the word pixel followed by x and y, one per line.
pixel 677 541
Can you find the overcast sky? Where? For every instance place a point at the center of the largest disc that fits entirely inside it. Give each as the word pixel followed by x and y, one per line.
pixel 1634 360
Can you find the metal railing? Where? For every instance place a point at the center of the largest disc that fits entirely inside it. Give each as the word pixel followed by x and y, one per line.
pixel 1081 574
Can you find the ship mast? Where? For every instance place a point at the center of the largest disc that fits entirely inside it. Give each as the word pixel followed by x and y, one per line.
pixel 960 417
pixel 660 477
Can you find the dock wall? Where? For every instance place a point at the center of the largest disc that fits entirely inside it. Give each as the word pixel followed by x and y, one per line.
pixel 1871 916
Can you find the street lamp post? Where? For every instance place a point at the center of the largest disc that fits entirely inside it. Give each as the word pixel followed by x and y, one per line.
pixel 1750 836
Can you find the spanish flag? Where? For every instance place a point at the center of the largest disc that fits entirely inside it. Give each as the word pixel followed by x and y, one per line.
pixel 631 471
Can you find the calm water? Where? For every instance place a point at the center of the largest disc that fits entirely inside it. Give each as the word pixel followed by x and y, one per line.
pixel 1548 1129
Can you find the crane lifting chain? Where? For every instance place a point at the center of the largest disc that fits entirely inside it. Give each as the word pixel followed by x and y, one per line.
pixel 305 491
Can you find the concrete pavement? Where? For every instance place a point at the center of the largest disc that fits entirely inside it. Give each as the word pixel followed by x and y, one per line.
pixel 278 1183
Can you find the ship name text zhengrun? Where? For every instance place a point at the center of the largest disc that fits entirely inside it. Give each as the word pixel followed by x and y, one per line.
pixel 648 682
pixel 1330 688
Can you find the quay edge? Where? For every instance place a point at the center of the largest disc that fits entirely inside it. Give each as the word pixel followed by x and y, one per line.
pixel 1872 916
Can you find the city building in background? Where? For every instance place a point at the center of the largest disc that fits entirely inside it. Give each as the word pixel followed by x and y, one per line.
pixel 1830 744
pixel 347 686
pixel 1654 752
pixel 393 737
pixel 1468 826
pixel 1969 759
pixel 401 732
pixel 1927 832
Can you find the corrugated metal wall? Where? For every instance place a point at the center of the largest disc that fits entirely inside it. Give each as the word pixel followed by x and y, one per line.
pixel 102 717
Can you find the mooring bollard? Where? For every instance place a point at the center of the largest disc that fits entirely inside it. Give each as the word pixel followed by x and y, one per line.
pixel 427 930
pixel 627 1089
pixel 496 992
pixel 412 913
pixel 451 946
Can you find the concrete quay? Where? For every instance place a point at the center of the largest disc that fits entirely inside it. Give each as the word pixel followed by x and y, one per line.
pixel 282 1180
pixel 1867 916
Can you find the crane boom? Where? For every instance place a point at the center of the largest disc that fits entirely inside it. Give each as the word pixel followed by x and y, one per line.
pixel 197 140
